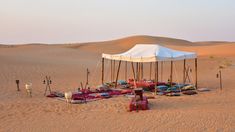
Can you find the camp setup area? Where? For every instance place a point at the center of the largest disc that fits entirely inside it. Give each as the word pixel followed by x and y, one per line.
pixel 142 54
pixel 134 87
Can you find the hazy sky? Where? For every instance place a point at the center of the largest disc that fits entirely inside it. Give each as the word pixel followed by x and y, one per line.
pixel 64 21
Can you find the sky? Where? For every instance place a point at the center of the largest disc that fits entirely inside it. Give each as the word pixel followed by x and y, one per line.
pixel 69 21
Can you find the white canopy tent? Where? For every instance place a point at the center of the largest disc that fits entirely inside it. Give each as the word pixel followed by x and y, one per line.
pixel 141 53
pixel 150 53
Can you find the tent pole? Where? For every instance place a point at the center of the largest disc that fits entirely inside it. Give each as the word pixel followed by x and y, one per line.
pixel 126 71
pixel 150 72
pixel 184 71
pixel 196 72
pixel 161 71
pixel 139 71
pixel 119 64
pixel 142 70
pixel 132 65
pixel 157 72
pixel 102 79
pixel 171 76
pixel 111 69
pixel 136 70
pixel 133 69
pixel 156 76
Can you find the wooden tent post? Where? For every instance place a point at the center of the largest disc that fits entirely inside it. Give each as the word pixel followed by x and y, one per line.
pixel 150 72
pixel 137 68
pixel 119 64
pixel 171 75
pixel 114 69
pixel 156 76
pixel 132 65
pixel 133 69
pixel 102 79
pixel 139 71
pixel 196 73
pixel 161 71
pixel 184 68
pixel 142 69
pixel 139 64
pixel 111 71
pixel 126 71
pixel 157 71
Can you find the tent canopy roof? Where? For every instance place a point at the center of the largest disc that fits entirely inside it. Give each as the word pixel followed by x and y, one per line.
pixel 150 53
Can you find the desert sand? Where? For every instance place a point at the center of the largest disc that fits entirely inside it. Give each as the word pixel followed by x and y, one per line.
pixel 67 63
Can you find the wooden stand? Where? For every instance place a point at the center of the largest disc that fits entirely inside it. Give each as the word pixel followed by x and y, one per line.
pixel 48 83
pixel 18 85
pixel 187 72
pixel 221 86
pixel 87 76
pixel 139 92
pixel 219 75
pixel 81 85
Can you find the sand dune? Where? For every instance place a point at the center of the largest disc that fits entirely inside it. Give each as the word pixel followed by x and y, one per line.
pixel 213 42
pixel 67 63
pixel 128 42
pixel 120 45
pixel 226 49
